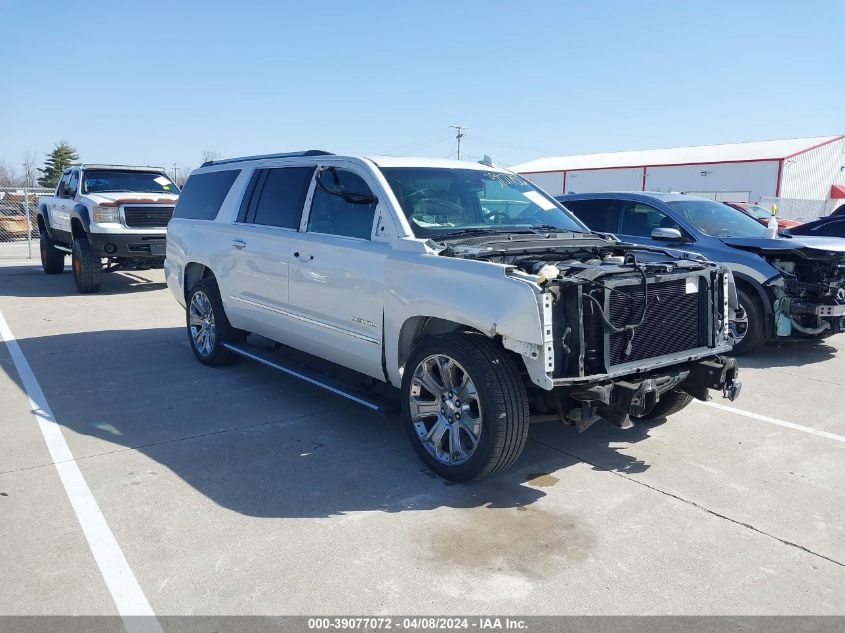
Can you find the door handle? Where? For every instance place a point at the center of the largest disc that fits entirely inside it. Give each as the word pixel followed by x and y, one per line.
pixel 238 244
pixel 303 256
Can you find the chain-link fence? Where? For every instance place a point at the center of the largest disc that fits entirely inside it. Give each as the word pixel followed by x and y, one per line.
pixel 18 221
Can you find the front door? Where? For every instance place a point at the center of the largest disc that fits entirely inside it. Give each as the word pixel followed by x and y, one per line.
pixel 63 204
pixel 337 274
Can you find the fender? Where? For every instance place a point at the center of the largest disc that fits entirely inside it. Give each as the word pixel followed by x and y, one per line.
pixel 764 297
pixel 44 213
pixel 80 211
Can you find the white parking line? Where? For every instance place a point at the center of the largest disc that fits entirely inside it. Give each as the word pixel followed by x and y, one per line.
pixel 784 423
pixel 121 582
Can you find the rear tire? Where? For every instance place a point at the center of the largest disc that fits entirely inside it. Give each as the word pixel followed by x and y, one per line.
pixel 52 259
pixel 670 402
pixel 480 436
pixel 87 266
pixel 755 333
pixel 208 326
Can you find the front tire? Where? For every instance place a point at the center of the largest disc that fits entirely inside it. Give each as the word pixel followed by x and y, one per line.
pixel 754 335
pixel 52 259
pixel 87 266
pixel 208 326
pixel 464 406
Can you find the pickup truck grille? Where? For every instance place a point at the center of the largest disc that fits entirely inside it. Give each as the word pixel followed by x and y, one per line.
pixel 672 323
pixel 142 217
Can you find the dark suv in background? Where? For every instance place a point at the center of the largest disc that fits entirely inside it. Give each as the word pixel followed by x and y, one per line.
pixel 788 287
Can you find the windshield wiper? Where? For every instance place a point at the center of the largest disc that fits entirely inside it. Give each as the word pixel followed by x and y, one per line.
pixel 550 228
pixel 476 232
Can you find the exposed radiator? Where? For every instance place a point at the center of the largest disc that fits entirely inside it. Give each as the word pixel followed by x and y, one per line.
pixel 672 322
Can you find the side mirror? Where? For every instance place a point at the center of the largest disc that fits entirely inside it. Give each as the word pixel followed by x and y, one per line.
pixel 667 235
pixel 66 190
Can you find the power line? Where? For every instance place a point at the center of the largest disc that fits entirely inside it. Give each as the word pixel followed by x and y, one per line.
pixel 421 143
pixel 459 135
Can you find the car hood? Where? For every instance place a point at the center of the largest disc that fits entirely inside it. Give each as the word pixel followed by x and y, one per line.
pixel 808 246
pixel 125 197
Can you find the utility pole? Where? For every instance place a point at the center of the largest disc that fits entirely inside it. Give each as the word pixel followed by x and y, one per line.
pixel 459 135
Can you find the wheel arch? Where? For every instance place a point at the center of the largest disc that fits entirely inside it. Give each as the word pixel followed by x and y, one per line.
pixel 194 271
pixel 416 328
pixel 752 287
pixel 81 217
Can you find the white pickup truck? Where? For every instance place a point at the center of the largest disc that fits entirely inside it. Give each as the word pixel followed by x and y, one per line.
pixel 106 217
pixel 481 300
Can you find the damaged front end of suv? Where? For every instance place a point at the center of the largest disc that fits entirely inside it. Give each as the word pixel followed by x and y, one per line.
pixel 808 292
pixel 628 332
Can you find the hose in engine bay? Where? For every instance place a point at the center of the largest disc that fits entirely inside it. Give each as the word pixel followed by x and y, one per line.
pixel 631 327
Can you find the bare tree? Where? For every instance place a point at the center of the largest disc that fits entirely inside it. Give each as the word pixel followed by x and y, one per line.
pixel 208 155
pixel 30 171
pixel 8 177
pixel 184 172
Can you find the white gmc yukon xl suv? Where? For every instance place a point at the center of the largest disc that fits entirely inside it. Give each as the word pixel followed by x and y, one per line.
pixel 478 297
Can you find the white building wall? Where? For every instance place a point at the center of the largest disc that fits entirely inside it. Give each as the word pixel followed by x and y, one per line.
pixel 589 180
pixel 758 178
pixel 551 182
pixel 809 176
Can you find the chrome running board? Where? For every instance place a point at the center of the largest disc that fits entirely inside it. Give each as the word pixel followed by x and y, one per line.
pixel 270 359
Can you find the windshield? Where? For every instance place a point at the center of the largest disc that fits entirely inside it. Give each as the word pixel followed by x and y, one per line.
pixel 96 181
pixel 439 201
pixel 761 213
pixel 717 219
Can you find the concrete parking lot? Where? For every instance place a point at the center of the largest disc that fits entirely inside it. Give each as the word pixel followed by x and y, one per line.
pixel 241 491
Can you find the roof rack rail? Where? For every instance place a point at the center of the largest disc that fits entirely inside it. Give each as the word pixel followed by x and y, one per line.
pixel 128 167
pixel 309 152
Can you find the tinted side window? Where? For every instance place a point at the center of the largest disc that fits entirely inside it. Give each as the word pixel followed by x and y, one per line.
pixel 64 179
pixel 334 215
pixel 641 219
pixel 599 215
pixel 73 184
pixel 281 198
pixel 203 194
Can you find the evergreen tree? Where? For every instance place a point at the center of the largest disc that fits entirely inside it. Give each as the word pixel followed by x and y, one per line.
pixel 63 156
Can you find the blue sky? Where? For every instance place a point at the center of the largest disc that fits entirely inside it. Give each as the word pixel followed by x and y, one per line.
pixel 159 83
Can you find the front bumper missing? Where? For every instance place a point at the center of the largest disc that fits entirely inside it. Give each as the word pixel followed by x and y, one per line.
pixel 618 400
pixel 817 310
pixel 808 319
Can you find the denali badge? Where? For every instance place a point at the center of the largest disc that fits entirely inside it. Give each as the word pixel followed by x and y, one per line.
pixel 364 321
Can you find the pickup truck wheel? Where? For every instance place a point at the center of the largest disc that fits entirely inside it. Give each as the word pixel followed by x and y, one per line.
pixel 752 326
pixel 208 326
pixel 669 403
pixel 52 259
pixel 86 265
pixel 464 405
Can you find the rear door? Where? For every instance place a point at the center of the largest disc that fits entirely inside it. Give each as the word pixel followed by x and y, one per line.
pixel 337 273
pixel 268 219
pixel 601 215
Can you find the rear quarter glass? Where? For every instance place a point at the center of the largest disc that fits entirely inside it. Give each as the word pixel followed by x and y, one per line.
pixel 204 193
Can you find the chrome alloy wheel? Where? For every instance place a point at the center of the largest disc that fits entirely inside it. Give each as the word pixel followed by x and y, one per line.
pixel 202 323
pixel 445 409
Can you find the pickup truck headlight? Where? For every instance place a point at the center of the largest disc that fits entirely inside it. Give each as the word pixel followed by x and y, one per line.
pixel 106 214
